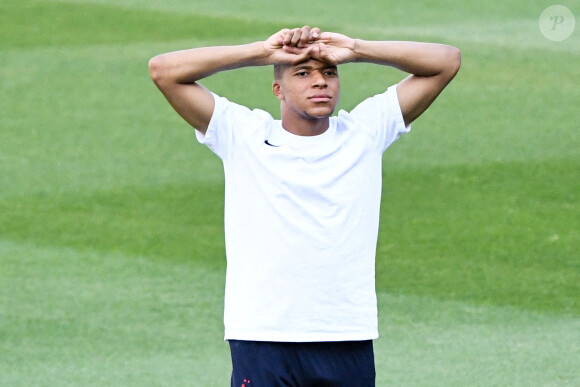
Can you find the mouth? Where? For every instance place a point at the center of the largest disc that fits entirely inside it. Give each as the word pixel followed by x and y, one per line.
pixel 320 98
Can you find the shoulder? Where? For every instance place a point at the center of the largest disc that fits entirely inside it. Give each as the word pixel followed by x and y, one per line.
pixel 238 119
pixel 379 116
pixel 235 124
pixel 378 103
pixel 225 106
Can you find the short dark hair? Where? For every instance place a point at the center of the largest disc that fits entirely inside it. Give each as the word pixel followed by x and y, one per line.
pixel 279 70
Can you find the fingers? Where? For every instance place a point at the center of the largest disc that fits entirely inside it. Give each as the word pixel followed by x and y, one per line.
pixel 300 37
pixel 298 54
pixel 301 44
pixel 320 52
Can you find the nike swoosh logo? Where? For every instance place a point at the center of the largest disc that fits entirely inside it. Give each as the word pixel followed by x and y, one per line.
pixel 268 143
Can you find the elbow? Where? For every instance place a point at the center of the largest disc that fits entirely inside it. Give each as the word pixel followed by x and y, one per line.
pixel 162 71
pixel 166 71
pixel 156 69
pixel 453 60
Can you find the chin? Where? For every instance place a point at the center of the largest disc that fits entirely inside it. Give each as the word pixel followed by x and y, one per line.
pixel 319 114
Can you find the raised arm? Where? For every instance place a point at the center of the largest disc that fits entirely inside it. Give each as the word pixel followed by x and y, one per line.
pixel 432 66
pixel 177 74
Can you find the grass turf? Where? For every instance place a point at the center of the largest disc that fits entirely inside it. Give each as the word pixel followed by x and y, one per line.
pixel 111 240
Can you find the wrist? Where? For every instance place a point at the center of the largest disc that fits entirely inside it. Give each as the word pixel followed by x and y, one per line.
pixel 257 54
pixel 356 49
pixel 362 50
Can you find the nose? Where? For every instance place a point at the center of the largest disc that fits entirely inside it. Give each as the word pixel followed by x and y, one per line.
pixel 318 79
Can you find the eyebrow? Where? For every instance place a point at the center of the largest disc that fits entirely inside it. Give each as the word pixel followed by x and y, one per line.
pixel 309 67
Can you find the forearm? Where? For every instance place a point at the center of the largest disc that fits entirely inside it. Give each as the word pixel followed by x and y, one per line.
pixel 189 66
pixel 421 59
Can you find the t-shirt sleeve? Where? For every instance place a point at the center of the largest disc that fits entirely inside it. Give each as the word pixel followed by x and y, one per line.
pixel 231 126
pixel 219 134
pixel 382 117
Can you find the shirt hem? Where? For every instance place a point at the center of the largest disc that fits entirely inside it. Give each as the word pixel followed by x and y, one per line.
pixel 301 337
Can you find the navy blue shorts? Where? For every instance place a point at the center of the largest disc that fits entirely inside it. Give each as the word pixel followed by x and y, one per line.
pixel 272 364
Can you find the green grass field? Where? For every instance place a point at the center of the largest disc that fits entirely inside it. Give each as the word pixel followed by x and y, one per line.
pixel 111 242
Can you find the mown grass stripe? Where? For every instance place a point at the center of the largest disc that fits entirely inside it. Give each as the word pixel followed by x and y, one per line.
pixel 27 23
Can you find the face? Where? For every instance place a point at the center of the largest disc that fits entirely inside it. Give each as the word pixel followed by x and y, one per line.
pixel 309 90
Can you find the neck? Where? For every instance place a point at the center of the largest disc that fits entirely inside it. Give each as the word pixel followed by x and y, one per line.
pixel 311 126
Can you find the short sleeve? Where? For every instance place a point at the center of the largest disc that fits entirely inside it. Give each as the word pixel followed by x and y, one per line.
pixel 219 134
pixel 232 126
pixel 381 115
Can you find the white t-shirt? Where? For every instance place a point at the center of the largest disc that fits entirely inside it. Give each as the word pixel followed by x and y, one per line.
pixel 301 221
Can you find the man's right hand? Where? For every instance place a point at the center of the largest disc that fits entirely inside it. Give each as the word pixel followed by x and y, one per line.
pixel 300 44
pixel 290 46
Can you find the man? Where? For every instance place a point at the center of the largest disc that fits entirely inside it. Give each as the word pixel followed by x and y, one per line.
pixel 302 196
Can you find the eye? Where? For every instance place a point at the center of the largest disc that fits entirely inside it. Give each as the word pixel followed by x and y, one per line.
pixel 302 74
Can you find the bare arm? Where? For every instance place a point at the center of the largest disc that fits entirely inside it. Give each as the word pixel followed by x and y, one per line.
pixel 432 66
pixel 177 74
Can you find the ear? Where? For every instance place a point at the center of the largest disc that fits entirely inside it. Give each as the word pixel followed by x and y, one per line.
pixel 277 89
